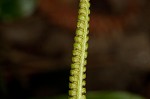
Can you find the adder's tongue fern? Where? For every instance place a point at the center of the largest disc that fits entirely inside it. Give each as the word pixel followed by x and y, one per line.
pixel 77 78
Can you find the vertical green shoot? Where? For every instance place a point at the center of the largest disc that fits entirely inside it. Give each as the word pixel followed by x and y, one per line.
pixel 78 69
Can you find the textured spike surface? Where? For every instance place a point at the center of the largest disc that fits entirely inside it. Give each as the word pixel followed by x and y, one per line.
pixel 78 69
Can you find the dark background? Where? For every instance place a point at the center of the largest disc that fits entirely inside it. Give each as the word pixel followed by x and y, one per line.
pixel 36 50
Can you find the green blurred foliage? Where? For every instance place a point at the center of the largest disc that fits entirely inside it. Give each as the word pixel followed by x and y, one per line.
pixel 102 95
pixel 15 9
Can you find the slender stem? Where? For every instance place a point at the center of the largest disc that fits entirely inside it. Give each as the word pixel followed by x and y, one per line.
pixel 77 78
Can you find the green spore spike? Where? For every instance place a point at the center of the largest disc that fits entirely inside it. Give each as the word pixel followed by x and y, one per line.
pixel 77 78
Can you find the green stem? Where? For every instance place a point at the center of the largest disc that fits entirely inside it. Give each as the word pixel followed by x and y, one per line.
pixel 77 78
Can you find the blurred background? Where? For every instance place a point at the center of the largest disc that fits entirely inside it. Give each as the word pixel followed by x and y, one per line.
pixel 36 38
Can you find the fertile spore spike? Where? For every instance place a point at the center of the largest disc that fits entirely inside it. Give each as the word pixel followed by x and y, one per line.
pixel 78 69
